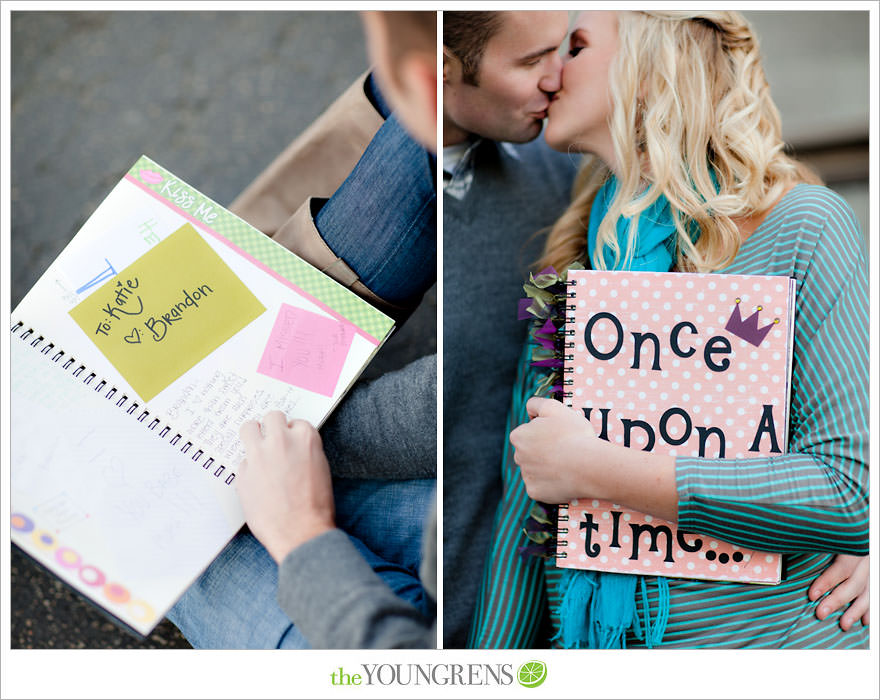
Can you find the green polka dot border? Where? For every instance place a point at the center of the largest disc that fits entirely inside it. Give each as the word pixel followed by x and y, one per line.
pixel 178 193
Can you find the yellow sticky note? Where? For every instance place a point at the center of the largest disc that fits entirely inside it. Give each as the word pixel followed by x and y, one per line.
pixel 166 311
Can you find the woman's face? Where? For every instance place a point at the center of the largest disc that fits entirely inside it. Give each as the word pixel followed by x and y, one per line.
pixel 579 113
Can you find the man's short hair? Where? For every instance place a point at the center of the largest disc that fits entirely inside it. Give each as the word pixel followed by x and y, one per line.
pixel 465 35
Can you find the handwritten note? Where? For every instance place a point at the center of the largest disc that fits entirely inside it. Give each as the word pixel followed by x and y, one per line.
pixel 166 311
pixel 306 350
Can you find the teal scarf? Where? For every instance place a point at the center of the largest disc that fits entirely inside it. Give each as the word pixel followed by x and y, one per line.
pixel 655 238
pixel 599 608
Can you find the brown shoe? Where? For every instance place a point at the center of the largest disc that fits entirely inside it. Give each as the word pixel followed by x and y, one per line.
pixel 314 164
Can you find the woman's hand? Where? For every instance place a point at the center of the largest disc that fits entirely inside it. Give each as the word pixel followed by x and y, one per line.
pixel 284 483
pixel 549 449
pixel 561 458
pixel 847 579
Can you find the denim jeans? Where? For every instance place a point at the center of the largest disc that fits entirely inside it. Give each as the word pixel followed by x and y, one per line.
pixel 232 605
pixel 382 220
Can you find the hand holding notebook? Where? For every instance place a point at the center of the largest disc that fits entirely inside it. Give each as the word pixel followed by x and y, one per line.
pixel 284 484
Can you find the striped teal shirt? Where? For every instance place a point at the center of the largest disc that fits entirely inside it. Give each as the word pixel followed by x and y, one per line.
pixel 814 499
pixel 809 503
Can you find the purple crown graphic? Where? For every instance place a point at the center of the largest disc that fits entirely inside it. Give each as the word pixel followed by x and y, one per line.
pixel 748 330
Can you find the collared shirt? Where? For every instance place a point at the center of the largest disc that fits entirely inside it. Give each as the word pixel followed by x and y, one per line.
pixel 458 165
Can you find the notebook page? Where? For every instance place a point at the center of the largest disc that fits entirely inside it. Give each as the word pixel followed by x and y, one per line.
pixel 104 502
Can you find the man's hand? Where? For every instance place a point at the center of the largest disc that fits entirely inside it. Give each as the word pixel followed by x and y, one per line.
pixel 284 483
pixel 847 579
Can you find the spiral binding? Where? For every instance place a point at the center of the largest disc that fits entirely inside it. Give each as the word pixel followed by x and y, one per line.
pixel 562 517
pixel 566 343
pixel 570 332
pixel 132 406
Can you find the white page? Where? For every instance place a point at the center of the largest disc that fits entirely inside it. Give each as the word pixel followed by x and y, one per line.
pixel 109 493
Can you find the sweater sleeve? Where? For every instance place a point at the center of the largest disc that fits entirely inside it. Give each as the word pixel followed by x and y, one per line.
pixel 394 417
pixel 338 602
pixel 815 497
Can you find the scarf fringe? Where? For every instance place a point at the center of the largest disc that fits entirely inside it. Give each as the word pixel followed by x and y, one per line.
pixel 599 608
pixel 652 634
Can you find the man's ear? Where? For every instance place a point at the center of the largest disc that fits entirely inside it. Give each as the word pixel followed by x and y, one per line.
pixel 451 67
pixel 418 81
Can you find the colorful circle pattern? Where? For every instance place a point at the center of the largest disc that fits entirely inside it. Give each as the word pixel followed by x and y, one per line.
pixel 68 558
pixel 116 593
pixel 44 540
pixel 89 574
pixel 141 611
pixel 21 522
pixel 92 576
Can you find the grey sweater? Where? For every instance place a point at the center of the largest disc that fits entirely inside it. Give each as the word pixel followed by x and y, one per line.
pixel 384 429
pixel 488 245
pixel 338 602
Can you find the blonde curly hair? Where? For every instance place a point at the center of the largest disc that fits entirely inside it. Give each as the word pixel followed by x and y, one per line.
pixel 689 97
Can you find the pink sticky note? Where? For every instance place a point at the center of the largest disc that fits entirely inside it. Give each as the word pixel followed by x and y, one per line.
pixel 306 350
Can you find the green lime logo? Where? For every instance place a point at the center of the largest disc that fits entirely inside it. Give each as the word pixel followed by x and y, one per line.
pixel 531 674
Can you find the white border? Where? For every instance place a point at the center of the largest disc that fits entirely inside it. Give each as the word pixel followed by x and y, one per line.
pixel 659 674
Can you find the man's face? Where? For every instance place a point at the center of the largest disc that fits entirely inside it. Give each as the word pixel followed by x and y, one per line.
pixel 518 73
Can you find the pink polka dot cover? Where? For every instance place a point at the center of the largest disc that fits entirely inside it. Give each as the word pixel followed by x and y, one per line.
pixel 693 365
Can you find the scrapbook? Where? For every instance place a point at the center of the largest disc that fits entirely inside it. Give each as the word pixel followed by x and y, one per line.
pixel 164 324
pixel 693 365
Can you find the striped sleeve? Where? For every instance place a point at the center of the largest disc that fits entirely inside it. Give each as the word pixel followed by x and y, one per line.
pixel 815 497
